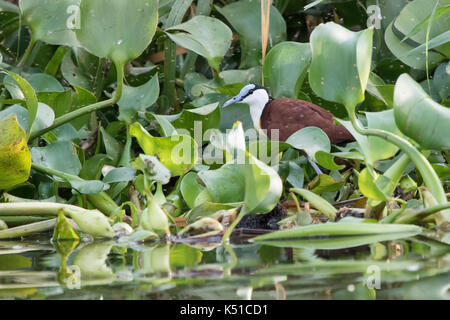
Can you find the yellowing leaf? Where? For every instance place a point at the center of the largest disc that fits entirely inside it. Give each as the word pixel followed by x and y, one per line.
pixel 15 158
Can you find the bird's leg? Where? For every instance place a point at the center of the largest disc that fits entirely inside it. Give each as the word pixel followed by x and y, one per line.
pixel 312 163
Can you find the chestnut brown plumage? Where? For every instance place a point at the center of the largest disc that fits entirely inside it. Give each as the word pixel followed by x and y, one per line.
pixel 290 115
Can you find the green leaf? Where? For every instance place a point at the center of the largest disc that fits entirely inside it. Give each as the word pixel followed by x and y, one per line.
pixel 340 64
pixel 438 13
pixel 377 87
pixel 285 68
pixel 60 155
pixel 166 128
pixel 49 20
pixel 379 149
pixel 63 229
pixel 42 82
pixel 60 102
pixel 315 142
pixel 368 185
pixel 245 17
pixel 53 65
pixel 178 153
pixel 407 23
pixel 116 29
pixel 143 235
pixel 190 189
pixel 207 209
pixel 78 67
pixel 8 7
pixel 30 98
pixel 135 99
pixel 193 120
pixel 437 41
pixel 226 184
pixel 419 117
pixel 206 36
pixel 81 99
pixel 113 148
pixel 263 186
pixel 15 158
pixel 44 117
pixel 318 202
pixel 375 148
pixel 182 255
pixel 441 81
pixel 296 175
pixel 324 183
pixel 337 235
pixel 119 174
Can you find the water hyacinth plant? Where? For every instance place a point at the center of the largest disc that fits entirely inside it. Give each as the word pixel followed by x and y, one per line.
pixel 112 129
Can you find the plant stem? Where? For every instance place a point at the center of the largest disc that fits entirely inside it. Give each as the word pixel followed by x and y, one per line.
pixel 27 53
pixel 102 201
pixel 227 234
pixel 99 78
pixel 24 209
pixel 394 173
pixel 412 216
pixel 28 229
pixel 169 74
pixel 88 109
pixel 14 221
pixel 429 176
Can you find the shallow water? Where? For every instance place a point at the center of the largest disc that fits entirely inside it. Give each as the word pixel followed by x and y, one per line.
pixel 416 268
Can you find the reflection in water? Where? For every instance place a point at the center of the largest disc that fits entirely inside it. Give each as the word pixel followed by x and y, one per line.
pixel 416 268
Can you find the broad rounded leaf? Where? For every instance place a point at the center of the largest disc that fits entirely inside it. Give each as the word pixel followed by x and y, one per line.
pixel 412 16
pixel 52 21
pixel 42 82
pixel 315 142
pixel 135 99
pixel 368 185
pixel 206 36
pixel 263 187
pixel 116 29
pixel 379 149
pixel 15 158
pixel 226 184
pixel 419 117
pixel 340 63
pixel 178 152
pixel 197 120
pixel 285 68
pixel 60 155
pixel 44 117
pixel 190 188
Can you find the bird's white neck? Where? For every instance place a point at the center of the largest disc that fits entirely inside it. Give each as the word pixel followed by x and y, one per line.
pixel 257 101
